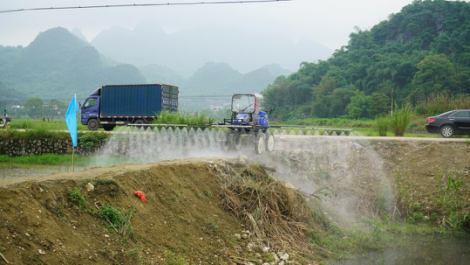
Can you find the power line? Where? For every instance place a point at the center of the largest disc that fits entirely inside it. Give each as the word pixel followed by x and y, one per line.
pixel 143 5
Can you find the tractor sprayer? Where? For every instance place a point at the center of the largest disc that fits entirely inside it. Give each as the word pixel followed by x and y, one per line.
pixel 247 121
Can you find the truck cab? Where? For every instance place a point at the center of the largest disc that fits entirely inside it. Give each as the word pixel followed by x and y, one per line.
pixel 91 109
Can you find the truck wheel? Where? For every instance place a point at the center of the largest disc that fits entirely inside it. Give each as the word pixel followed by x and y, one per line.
pixel 93 125
pixel 269 141
pixel 108 128
pixel 260 143
pixel 139 121
pixel 447 131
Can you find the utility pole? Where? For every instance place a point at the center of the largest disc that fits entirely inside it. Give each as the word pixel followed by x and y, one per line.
pixel 391 104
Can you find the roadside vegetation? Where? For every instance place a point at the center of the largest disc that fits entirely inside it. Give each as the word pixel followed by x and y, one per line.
pixel 48 159
pixel 29 124
pixel 181 118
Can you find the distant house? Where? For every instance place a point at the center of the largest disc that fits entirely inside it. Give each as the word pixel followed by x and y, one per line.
pixel 17 106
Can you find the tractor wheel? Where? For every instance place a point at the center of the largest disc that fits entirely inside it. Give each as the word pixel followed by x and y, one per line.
pixel 269 141
pixel 226 142
pixel 93 125
pixel 260 143
pixel 237 141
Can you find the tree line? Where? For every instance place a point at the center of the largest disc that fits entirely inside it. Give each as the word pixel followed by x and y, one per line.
pixel 421 52
pixel 35 108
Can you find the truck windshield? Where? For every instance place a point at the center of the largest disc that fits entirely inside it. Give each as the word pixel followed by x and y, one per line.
pixel 243 103
pixel 90 103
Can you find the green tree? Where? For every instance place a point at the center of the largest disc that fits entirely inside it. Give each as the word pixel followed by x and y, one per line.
pixel 379 104
pixel 338 99
pixel 33 107
pixel 436 74
pixel 358 108
pixel 420 51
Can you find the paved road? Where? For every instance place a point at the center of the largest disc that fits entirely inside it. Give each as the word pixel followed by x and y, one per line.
pixel 371 138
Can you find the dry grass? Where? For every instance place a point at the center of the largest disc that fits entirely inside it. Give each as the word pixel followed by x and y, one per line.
pixel 269 209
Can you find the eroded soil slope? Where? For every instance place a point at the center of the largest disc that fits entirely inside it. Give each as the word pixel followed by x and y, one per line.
pixel 181 220
pixel 432 179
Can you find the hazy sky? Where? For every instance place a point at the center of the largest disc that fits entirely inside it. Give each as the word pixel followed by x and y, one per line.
pixel 326 21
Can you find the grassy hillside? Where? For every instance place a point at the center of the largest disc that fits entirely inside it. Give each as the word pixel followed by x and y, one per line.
pixel 10 95
pixel 58 64
pixel 415 54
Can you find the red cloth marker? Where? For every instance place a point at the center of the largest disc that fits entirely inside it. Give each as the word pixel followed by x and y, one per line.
pixel 141 195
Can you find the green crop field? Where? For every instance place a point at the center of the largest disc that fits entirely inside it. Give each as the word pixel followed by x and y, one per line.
pixel 45 125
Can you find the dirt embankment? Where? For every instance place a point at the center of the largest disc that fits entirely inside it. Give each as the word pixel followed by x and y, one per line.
pixel 56 220
pixel 40 225
pixel 432 180
pixel 417 181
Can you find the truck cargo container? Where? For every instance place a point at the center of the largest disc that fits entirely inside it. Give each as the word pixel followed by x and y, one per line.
pixel 113 105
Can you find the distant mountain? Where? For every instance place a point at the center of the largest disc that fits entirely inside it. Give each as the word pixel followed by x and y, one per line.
pixel 159 74
pixel 58 64
pixel 79 34
pixel 186 51
pixel 211 79
pixel 8 95
pixel 219 79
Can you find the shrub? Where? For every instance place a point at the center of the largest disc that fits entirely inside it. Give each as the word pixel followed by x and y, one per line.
pixel 117 220
pixel 401 120
pixel 181 118
pixel 90 140
pixel 382 125
pixel 418 217
pixel 77 198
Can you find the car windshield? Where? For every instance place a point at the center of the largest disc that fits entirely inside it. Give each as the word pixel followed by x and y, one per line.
pixel 243 103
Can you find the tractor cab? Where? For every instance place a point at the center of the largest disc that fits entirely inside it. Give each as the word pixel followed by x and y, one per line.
pixel 247 119
pixel 246 110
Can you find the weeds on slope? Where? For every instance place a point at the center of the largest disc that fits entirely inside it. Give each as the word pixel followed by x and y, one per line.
pixel 269 209
pixel 118 220
pixel 441 203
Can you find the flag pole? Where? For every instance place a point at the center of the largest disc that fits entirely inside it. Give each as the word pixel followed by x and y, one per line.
pixel 71 120
pixel 73 152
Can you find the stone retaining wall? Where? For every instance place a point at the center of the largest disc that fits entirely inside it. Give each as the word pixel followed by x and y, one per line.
pixel 25 147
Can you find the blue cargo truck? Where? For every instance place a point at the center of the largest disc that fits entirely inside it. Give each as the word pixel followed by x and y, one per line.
pixel 113 105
